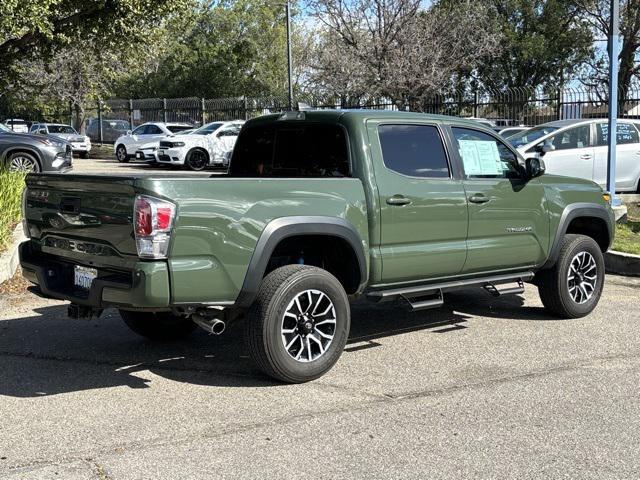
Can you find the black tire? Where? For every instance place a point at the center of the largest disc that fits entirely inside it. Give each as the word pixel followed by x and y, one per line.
pixel 84 154
pixel 264 323
pixel 121 154
pixel 554 286
pixel 197 160
pixel 23 162
pixel 163 327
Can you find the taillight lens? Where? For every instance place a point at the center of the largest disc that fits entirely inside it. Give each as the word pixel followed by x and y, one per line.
pixel 153 220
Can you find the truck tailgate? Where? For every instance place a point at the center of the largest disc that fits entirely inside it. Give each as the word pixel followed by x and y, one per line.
pixel 63 210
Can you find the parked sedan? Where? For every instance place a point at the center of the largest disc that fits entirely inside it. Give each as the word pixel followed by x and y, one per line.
pixel 80 144
pixel 207 146
pixel 126 146
pixel 578 148
pixel 509 131
pixel 25 152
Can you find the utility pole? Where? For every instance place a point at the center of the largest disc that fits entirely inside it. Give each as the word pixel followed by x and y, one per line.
pixel 289 66
pixel 613 99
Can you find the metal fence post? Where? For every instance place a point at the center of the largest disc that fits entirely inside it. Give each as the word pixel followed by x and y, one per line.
pixel 559 104
pixel 246 107
pixel 131 113
pixel 100 137
pixel 164 110
pixel 203 111
pixel 475 103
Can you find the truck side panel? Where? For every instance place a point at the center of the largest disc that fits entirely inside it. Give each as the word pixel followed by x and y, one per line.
pixel 220 220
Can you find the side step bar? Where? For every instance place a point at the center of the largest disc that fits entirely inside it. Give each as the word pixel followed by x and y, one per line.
pixel 415 294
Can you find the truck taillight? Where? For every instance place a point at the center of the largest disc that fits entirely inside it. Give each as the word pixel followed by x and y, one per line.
pixel 153 219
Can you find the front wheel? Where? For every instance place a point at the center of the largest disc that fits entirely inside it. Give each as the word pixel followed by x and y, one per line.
pixel 23 162
pixel 197 160
pixel 161 326
pixel 121 154
pixel 299 323
pixel 573 286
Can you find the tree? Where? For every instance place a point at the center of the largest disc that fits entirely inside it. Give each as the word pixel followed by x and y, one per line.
pixel 543 43
pixel 38 28
pixel 596 74
pixel 400 49
pixel 230 48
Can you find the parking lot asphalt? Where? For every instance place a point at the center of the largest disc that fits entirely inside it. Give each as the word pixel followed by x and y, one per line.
pixel 481 388
pixel 108 165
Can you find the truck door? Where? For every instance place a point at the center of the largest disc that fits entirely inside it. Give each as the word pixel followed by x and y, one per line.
pixel 508 220
pixel 423 208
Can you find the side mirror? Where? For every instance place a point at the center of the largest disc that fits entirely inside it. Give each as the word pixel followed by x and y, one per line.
pixel 535 167
pixel 545 147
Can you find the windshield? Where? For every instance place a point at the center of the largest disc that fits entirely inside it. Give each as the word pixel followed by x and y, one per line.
pixel 178 128
pixel 208 128
pixel 61 129
pixel 4 128
pixel 530 135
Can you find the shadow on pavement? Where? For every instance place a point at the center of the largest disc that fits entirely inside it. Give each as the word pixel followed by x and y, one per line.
pixel 48 354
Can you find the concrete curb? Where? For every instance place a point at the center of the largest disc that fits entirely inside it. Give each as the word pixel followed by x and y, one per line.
pixel 622 263
pixel 9 260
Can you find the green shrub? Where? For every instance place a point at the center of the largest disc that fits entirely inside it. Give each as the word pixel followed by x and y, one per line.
pixel 11 186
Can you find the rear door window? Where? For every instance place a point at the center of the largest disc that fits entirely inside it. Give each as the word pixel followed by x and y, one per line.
pixel 414 150
pixel 290 149
pixel 626 133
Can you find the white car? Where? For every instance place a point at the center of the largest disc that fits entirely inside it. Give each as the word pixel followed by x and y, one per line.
pixel 209 145
pixel 578 148
pixel 80 144
pixel 127 145
pixel 17 125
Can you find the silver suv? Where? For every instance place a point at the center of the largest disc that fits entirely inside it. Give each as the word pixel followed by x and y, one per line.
pixel 34 153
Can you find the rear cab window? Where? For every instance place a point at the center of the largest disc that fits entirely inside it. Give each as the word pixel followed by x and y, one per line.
pixel 291 149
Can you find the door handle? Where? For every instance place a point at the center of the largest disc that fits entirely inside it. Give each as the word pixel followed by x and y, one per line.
pixel 478 198
pixel 398 200
pixel 586 156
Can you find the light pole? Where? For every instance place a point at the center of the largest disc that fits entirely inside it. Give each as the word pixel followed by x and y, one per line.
pixel 613 100
pixel 289 66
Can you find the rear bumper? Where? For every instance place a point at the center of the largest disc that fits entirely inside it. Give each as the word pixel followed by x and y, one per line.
pixel 146 286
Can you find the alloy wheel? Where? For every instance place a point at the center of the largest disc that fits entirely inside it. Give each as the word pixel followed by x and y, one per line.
pixel 308 325
pixel 582 277
pixel 21 163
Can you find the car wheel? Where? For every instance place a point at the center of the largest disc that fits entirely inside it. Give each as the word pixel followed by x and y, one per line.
pixel 299 323
pixel 84 154
pixel 572 287
pixel 162 327
pixel 197 160
pixel 23 162
pixel 121 154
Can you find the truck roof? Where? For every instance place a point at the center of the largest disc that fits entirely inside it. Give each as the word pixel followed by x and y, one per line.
pixel 336 116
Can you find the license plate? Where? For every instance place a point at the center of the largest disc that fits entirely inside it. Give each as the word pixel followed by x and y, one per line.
pixel 139 156
pixel 83 276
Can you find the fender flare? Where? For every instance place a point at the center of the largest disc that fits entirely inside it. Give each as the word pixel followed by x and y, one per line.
pixel 21 148
pixel 570 213
pixel 281 228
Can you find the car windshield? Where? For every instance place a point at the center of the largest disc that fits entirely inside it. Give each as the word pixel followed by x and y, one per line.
pixel 178 128
pixel 530 135
pixel 61 129
pixel 207 129
pixel 3 128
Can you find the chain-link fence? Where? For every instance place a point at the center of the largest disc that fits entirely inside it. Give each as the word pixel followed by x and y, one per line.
pixel 107 120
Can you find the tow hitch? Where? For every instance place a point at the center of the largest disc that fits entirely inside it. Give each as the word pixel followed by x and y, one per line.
pixel 78 312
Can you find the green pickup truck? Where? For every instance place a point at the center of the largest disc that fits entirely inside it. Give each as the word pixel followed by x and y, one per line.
pixel 317 208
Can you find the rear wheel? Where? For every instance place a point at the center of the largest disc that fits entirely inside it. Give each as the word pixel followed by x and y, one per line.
pixel 121 154
pixel 299 323
pixel 197 160
pixel 162 326
pixel 572 287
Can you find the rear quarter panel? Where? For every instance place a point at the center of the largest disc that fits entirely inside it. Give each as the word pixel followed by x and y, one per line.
pixel 220 220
